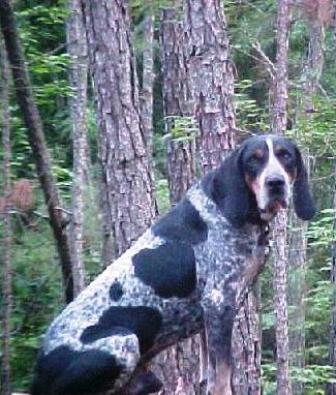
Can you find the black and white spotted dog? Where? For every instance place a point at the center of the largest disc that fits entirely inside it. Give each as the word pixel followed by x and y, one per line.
pixel 186 273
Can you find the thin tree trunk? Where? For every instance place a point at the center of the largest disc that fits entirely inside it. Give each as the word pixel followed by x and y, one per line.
pixel 279 126
pixel 122 149
pixel 77 49
pixel 5 381
pixel 297 241
pixel 146 97
pixel 37 142
pixel 209 60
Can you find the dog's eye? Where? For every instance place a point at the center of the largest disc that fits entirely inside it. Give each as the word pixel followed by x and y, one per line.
pixel 284 155
pixel 255 158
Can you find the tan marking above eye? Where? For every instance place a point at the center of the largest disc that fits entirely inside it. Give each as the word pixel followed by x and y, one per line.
pixel 280 151
pixel 258 153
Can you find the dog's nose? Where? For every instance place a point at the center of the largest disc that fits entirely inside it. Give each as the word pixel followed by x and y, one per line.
pixel 275 181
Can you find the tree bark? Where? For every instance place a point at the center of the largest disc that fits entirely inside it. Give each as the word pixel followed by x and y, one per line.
pixel 6 217
pixel 211 78
pixel 177 367
pixel 209 60
pixel 279 126
pixel 37 142
pixel 312 72
pixel 77 49
pixel 122 149
pixel 177 103
pixel 146 97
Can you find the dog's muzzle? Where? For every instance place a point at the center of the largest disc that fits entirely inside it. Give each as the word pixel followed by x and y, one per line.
pixel 277 193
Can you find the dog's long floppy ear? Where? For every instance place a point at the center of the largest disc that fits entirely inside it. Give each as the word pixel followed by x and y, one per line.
pixel 304 204
pixel 229 190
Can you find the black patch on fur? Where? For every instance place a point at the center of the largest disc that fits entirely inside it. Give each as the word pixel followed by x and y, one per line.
pixel 304 204
pixel 144 322
pixel 169 269
pixel 183 223
pixel 116 291
pixel 67 372
pixel 227 187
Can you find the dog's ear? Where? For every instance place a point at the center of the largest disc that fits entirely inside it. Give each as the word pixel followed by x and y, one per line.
pixel 304 204
pixel 229 190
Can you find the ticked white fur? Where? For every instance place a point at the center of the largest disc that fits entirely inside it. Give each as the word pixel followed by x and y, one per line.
pixel 273 167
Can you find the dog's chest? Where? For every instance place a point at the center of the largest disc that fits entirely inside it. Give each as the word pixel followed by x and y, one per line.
pixel 225 255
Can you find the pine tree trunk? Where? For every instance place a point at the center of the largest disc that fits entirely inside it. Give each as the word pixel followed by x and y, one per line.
pixel 177 367
pixel 177 103
pixel 122 149
pixel 210 75
pixel 279 126
pixel 209 60
pixel 37 142
pixel 146 97
pixel 77 49
pixel 5 217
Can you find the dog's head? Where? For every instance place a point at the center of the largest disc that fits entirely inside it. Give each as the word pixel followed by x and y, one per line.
pixel 260 177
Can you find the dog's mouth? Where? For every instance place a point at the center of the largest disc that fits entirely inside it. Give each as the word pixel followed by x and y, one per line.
pixel 274 206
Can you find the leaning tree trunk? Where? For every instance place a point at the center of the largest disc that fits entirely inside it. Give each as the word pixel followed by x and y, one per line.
pixel 77 49
pixel 279 126
pixel 37 142
pixel 211 76
pixel 5 217
pixel 122 149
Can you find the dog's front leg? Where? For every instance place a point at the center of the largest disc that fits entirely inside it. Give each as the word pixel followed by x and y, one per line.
pixel 218 328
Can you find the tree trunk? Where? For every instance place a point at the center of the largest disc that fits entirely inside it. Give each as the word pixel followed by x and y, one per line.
pixel 77 49
pixel 210 75
pixel 6 217
pixel 177 367
pixel 146 97
pixel 37 142
pixel 122 149
pixel 177 103
pixel 297 242
pixel 279 126
pixel 208 57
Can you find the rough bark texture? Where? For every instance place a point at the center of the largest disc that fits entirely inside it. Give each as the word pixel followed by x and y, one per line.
pixel 77 49
pixel 178 367
pixel 331 388
pixel 122 148
pixel 181 167
pixel 211 76
pixel 5 217
pixel 37 142
pixel 146 97
pixel 177 103
pixel 279 126
pixel 247 345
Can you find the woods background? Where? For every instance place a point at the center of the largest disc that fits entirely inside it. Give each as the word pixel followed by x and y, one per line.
pixel 109 110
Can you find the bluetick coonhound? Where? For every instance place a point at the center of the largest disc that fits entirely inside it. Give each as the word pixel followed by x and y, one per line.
pixel 184 275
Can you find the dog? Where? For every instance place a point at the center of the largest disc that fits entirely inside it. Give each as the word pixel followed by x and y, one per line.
pixel 184 275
